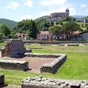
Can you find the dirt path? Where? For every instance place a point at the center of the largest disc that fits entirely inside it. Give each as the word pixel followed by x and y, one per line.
pixel 12 86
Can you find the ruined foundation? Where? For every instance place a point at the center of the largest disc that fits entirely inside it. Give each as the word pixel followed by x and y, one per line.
pixel 53 66
pixel 39 82
pixel 14 65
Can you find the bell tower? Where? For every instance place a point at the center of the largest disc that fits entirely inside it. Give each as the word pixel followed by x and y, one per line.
pixel 67 12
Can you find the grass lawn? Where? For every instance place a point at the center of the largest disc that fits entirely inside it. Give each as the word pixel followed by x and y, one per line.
pixel 74 68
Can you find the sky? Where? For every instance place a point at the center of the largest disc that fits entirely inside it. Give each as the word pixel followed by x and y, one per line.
pixel 18 10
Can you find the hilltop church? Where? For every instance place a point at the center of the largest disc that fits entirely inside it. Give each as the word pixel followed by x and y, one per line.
pixel 59 15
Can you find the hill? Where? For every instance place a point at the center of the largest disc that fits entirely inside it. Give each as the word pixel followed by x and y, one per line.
pixel 11 24
pixel 43 17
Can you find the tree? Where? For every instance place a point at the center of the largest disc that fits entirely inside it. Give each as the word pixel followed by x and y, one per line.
pixel 22 26
pixel 27 26
pixel 55 30
pixel 69 18
pixel 4 30
pixel 33 29
pixel 42 24
pixel 1 36
pixel 28 33
pixel 70 27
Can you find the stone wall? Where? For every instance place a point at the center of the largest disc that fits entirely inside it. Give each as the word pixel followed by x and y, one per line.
pixel 1 80
pixel 43 55
pixel 14 48
pixel 73 44
pixel 14 65
pixel 39 82
pixel 54 65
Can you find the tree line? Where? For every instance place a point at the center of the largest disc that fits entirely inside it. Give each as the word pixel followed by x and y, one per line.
pixel 32 27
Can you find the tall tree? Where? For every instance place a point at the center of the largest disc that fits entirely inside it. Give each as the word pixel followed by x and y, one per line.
pixel 70 27
pixel 1 36
pixel 27 26
pixel 22 26
pixel 4 30
pixel 33 29
pixel 42 24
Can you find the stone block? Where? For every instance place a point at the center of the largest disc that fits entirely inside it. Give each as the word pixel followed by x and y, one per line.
pixel 54 65
pixel 1 80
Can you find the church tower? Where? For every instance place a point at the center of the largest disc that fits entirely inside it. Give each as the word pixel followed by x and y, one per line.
pixel 67 12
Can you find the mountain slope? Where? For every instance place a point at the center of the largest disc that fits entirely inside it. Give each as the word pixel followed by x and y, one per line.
pixel 11 24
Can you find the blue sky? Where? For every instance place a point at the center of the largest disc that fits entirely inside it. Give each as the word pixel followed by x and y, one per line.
pixel 31 9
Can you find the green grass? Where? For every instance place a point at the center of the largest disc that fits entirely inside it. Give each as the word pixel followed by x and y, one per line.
pixel 2 43
pixel 75 67
pixel 77 62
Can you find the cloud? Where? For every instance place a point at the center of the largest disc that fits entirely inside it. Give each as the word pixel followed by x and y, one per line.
pixel 73 11
pixel 26 17
pixel 13 5
pixel 29 3
pixel 84 5
pixel 87 11
pixel 52 2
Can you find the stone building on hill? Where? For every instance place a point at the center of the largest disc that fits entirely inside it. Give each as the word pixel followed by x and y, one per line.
pixel 59 15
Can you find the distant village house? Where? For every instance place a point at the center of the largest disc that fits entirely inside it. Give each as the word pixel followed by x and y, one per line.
pixel 22 36
pixel 43 35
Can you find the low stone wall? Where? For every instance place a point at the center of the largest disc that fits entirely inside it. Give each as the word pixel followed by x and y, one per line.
pixel 43 55
pixel 73 44
pixel 39 82
pixel 1 80
pixel 14 65
pixel 54 65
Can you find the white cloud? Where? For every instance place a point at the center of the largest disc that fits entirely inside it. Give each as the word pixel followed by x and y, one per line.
pixel 73 11
pixel 29 3
pixel 26 17
pixel 13 5
pixel 84 5
pixel 87 11
pixel 52 2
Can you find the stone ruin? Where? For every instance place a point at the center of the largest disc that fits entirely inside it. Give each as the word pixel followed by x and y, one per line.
pixel 14 65
pixel 73 44
pixel 39 82
pixel 1 80
pixel 53 66
pixel 14 48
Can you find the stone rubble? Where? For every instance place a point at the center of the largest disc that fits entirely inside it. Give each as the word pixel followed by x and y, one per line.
pixel 39 82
